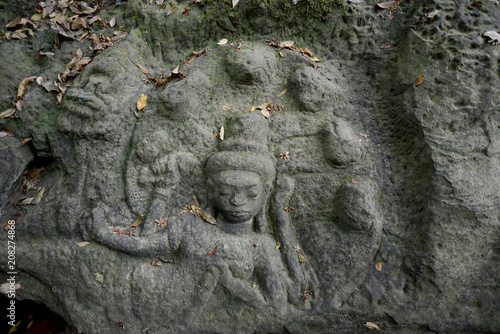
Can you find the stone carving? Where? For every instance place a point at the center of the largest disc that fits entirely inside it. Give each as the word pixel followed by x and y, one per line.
pixel 246 262
pixel 359 167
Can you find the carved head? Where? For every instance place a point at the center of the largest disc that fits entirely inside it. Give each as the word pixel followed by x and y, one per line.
pixel 103 97
pixel 240 177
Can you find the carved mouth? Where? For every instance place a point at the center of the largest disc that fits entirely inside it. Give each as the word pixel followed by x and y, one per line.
pixel 238 214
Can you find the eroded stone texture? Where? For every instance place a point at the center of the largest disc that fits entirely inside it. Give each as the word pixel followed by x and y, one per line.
pixel 366 198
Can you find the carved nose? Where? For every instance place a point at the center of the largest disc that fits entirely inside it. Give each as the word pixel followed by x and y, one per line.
pixel 237 199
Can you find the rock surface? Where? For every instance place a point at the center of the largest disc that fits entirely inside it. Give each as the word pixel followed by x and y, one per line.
pixel 343 191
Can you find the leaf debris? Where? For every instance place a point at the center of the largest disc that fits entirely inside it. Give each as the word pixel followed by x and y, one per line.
pixel 197 211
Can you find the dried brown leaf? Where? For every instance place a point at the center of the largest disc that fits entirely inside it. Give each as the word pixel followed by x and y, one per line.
pixel 286 44
pixel 306 51
pixel 82 244
pixel 143 70
pixel 21 89
pixel 99 277
pixel 25 141
pixel 22 198
pixel 18 34
pixel 137 222
pixel 378 266
pixel 302 259
pixel 141 102
pixel 225 108
pixel 387 4
pixel 282 93
pixel 17 22
pixel 265 113
pixel 7 113
pixel 222 41
pixel 212 252
pixel 79 23
pixel 372 325
pixel 112 22
pixel 95 18
pixel 221 133
pixel 156 263
pixel 419 80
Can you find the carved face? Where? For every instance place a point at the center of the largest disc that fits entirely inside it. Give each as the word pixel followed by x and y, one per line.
pixel 101 99
pixel 239 195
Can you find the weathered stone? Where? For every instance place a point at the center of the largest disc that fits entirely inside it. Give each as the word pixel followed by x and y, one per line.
pixel 363 197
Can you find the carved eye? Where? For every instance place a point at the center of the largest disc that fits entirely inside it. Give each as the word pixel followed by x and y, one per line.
pixel 252 194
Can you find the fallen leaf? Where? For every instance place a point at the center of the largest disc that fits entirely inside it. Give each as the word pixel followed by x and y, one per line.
pixel 225 108
pixel 145 71
pixel 20 199
pixel 478 5
pixel 3 134
pixel 17 22
pixel 19 105
pixel 112 22
pixel 302 259
pixel 387 45
pixel 212 252
pixel 95 18
pixel 419 80
pixel 38 197
pixel 83 243
pixel 316 59
pixel 493 36
pixel 278 245
pixel 194 210
pixel 99 277
pixel 378 266
pixel 306 51
pixel 265 113
pixel 235 2
pixel 36 17
pixel 21 88
pixel 137 222
pixel 25 141
pixel 10 131
pixel 262 106
pixel 7 113
pixel 286 44
pixel 222 41
pixel 364 136
pixel 221 135
pixel 141 102
pixel 372 325
pixel 34 173
pixel 157 263
pixel 387 4
pixel 215 135
pixel 282 93
pixel 78 23
pixel 5 287
pixel 118 35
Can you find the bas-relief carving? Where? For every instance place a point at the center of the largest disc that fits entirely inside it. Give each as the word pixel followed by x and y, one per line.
pixel 244 190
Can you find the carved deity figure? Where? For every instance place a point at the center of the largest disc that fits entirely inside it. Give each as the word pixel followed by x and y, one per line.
pixel 244 254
